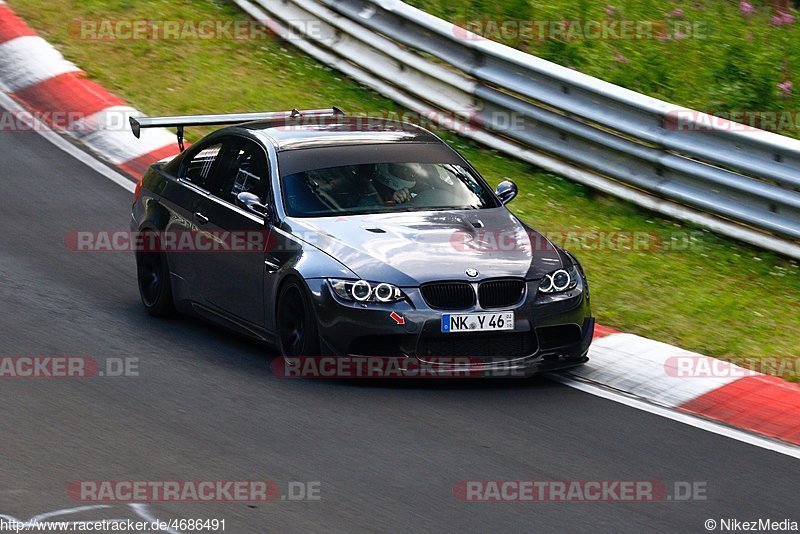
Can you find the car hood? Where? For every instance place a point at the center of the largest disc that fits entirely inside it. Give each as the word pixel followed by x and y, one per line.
pixel 411 248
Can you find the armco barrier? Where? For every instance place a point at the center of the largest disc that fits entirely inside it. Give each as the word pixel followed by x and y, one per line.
pixel 744 184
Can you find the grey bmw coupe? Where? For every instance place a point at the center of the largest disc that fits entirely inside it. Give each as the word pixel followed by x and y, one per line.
pixel 326 235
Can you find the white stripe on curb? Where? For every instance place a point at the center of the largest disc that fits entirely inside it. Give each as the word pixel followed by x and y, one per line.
pixel 648 369
pixel 28 60
pixel 111 135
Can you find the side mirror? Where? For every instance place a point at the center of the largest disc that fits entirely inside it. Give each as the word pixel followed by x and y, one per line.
pixel 252 203
pixel 506 191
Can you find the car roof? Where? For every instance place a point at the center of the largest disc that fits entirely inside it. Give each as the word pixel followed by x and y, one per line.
pixel 312 133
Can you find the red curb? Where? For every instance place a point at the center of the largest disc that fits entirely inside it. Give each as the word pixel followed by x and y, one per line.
pixel 11 26
pixel 764 404
pixel 138 166
pixel 67 93
pixel 602 331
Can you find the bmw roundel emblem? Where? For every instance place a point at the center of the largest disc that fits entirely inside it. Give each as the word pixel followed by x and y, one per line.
pixel 472 273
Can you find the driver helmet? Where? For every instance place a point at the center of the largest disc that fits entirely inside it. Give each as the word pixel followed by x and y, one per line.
pixel 398 175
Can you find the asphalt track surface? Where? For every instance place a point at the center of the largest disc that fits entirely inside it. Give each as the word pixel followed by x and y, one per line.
pixel 207 407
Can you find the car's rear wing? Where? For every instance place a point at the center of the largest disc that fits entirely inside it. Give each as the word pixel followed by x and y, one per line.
pixel 181 122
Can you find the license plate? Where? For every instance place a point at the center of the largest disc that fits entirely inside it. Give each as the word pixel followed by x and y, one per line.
pixel 477 322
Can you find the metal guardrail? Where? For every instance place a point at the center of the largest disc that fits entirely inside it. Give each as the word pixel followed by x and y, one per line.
pixel 745 184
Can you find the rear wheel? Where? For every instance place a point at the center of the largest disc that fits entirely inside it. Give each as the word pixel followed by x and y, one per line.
pixel 296 322
pixel 154 284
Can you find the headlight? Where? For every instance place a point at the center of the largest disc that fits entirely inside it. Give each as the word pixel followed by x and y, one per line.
pixel 363 291
pixel 560 280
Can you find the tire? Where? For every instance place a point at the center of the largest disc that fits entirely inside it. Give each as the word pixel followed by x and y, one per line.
pixel 298 334
pixel 155 287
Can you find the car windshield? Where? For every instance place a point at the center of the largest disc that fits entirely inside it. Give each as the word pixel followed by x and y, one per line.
pixel 384 187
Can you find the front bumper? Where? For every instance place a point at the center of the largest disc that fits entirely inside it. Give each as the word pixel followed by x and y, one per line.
pixel 551 332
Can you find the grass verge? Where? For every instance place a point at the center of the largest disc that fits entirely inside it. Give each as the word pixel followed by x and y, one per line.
pixel 696 290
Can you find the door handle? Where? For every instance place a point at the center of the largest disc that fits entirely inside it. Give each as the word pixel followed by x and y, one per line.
pixel 202 219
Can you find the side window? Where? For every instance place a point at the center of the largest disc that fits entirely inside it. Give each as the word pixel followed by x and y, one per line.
pixel 245 171
pixel 199 169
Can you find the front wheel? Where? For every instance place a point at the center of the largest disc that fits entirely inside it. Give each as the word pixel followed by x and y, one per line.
pixel 297 324
pixel 154 284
